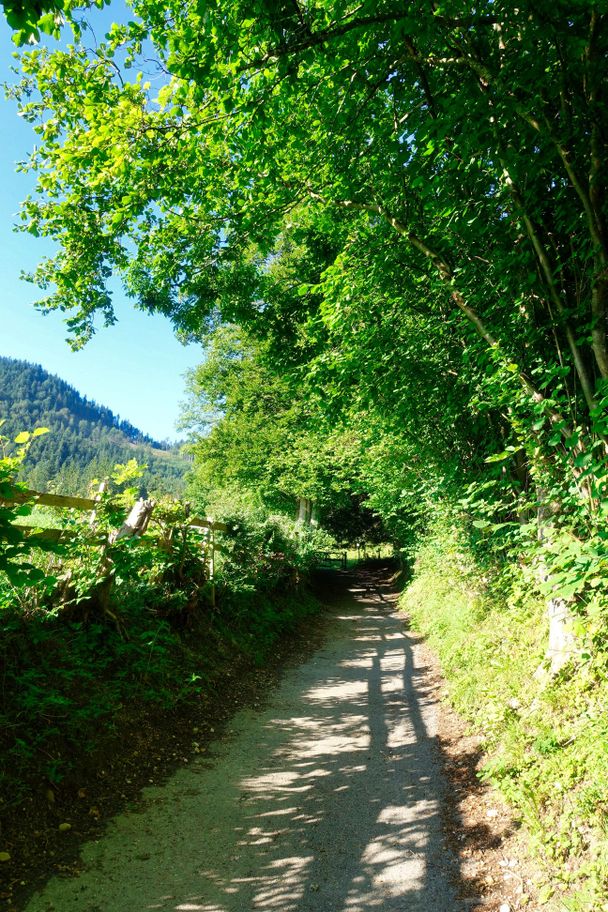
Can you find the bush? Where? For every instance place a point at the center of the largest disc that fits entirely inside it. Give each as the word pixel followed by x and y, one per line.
pixel 91 626
pixel 266 553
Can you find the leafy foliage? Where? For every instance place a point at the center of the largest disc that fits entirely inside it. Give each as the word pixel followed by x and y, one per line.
pixel 15 549
pixel 256 436
pixel 378 195
pixel 94 623
pixel 30 18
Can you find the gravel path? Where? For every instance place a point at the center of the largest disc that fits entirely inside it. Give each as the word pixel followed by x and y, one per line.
pixel 328 799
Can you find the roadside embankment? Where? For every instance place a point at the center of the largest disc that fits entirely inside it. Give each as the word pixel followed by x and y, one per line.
pixel 545 740
pixel 91 715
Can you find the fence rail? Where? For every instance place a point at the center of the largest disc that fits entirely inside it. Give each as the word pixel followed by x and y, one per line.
pixel 60 501
pixel 67 502
pixel 134 525
pixel 330 558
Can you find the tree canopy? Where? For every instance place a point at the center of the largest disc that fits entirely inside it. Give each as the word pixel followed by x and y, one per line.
pixel 472 142
pixel 404 208
pixel 387 223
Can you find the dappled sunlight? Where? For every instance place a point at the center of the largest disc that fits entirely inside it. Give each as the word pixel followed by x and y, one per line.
pixel 365 821
pixel 327 801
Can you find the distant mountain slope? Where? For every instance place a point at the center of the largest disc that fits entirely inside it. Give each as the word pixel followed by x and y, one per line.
pixel 86 439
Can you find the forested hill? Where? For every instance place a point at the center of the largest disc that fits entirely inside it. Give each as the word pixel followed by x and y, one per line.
pixel 85 439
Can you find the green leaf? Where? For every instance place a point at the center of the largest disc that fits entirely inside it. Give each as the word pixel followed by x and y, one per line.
pixel 499 457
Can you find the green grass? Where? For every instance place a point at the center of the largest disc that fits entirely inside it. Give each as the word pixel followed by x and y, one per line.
pixel 47 518
pixel 546 741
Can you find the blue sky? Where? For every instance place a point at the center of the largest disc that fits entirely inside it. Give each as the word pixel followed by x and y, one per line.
pixel 135 367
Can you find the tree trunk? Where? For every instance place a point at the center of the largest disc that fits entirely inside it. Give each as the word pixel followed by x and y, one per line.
pixel 562 643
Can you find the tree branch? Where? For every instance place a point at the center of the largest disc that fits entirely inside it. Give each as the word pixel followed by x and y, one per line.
pixel 547 271
pixel 323 36
pixel 447 277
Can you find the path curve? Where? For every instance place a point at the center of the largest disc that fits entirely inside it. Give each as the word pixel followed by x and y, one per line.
pixel 328 799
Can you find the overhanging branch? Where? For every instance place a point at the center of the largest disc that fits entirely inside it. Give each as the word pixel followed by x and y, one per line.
pixel 447 277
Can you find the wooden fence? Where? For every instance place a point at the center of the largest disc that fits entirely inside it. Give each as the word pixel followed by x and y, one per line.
pixel 137 521
pixel 134 525
pixel 66 502
pixel 331 559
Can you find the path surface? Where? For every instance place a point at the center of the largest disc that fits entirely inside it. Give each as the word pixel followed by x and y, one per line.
pixel 328 799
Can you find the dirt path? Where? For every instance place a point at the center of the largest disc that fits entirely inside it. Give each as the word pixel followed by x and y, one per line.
pixel 329 799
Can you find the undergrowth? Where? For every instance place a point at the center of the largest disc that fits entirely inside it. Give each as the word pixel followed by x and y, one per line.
pixel 65 683
pixel 546 740
pixel 97 626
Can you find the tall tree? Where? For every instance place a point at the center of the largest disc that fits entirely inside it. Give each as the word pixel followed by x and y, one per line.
pixel 474 141
pixel 458 155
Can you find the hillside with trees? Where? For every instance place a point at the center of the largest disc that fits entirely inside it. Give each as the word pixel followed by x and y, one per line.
pixel 388 224
pixel 85 440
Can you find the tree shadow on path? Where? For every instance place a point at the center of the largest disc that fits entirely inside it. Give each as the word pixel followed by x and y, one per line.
pixel 330 799
pixel 346 812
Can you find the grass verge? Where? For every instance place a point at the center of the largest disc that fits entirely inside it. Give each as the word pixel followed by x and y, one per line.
pixel 546 740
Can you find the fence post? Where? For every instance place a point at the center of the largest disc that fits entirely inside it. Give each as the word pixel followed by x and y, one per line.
pixel 136 522
pixel 209 557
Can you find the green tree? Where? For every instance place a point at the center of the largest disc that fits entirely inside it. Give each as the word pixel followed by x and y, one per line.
pixel 407 205
pixel 256 433
pixel 30 18
pixel 476 139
